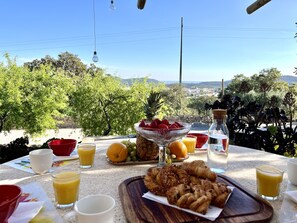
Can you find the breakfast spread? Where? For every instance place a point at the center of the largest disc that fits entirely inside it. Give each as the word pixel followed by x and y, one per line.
pixel 191 185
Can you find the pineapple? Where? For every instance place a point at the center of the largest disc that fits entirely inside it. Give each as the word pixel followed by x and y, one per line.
pixel 145 149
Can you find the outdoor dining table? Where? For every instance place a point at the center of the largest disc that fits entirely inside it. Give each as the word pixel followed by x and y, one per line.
pixel 105 177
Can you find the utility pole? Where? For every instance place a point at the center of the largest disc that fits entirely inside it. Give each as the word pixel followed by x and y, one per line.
pixel 223 88
pixel 181 52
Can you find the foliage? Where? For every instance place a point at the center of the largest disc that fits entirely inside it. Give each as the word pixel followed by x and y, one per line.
pixel 258 87
pixel 67 62
pixel 18 148
pixel 259 120
pixel 13 150
pixel 198 103
pixel 175 98
pixel 153 103
pixel 102 105
pixel 31 100
pixel 255 126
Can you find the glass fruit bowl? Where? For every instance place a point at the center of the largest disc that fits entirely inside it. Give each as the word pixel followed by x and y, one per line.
pixel 162 136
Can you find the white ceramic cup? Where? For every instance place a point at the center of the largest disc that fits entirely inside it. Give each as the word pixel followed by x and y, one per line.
pixel 292 170
pixel 41 160
pixel 95 209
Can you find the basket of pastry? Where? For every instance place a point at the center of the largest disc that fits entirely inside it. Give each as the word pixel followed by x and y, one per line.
pixel 191 186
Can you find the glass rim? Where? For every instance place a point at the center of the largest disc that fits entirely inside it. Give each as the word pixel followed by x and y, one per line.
pixel 269 169
pixel 56 172
pixel 86 144
pixel 190 136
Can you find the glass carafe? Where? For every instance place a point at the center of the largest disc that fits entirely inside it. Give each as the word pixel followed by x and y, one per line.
pixel 218 142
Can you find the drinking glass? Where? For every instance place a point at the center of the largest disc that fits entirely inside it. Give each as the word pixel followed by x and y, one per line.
pixel 86 154
pixel 162 137
pixel 190 142
pixel 66 187
pixel 269 179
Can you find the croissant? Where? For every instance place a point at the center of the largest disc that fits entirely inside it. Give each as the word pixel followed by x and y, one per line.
pixel 199 169
pixel 151 184
pixel 220 194
pixel 190 185
pixel 159 180
pixel 184 197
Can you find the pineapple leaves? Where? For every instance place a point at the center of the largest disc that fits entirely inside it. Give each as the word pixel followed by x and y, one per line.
pixel 152 105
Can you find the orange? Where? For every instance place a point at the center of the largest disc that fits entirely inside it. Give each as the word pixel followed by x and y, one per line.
pixel 179 149
pixel 117 152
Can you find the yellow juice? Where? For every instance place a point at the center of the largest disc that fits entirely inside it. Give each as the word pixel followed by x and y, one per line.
pixel 268 181
pixel 190 143
pixel 66 187
pixel 86 154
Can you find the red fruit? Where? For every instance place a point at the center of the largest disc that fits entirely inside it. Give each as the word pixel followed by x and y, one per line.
pixel 142 124
pixel 158 121
pixel 174 126
pixel 154 124
pixel 163 126
pixel 166 122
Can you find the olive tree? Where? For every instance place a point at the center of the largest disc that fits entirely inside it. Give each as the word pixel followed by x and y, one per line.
pixel 31 100
pixel 103 105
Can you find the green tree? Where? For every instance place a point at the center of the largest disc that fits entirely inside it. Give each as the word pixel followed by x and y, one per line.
pixel 44 99
pixel 102 105
pixel 240 84
pixel 175 97
pixel 31 100
pixel 266 80
pixel 198 104
pixel 68 62
pixel 10 95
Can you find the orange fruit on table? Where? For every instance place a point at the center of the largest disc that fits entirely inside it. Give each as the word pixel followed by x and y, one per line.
pixel 117 152
pixel 178 148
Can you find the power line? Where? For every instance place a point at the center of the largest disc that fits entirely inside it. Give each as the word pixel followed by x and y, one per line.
pixel 256 29
pixel 138 33
pixel 142 32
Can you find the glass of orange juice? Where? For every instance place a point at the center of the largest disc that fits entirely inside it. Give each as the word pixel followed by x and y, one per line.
pixel 86 154
pixel 66 187
pixel 190 142
pixel 269 179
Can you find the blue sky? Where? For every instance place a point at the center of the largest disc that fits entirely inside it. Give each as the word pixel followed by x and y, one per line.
pixel 220 39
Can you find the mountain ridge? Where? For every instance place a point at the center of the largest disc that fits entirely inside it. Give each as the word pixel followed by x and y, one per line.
pixel 203 84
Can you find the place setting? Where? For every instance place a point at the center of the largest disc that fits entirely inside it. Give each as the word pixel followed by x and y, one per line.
pixel 59 153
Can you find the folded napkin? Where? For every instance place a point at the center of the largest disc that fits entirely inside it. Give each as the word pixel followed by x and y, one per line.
pixel 292 195
pixel 212 213
pixel 25 212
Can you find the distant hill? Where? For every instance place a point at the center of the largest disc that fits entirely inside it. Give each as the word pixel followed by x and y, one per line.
pixel 129 81
pixel 205 84
pixel 289 79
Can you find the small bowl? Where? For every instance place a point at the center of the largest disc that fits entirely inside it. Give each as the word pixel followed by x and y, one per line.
pixel 9 200
pixel 62 147
pixel 201 139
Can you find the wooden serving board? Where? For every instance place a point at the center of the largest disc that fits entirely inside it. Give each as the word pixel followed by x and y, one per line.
pixel 143 162
pixel 242 206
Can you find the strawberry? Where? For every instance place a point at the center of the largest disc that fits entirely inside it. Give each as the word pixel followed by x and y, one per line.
pixel 166 122
pixel 158 121
pixel 142 124
pixel 154 124
pixel 173 126
pixel 163 126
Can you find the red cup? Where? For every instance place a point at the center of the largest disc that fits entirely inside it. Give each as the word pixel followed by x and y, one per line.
pixel 9 200
pixel 201 139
